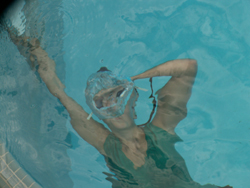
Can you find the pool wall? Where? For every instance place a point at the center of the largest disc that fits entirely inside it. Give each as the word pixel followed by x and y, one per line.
pixel 12 174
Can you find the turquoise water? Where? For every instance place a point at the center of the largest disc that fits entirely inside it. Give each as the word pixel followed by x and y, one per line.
pixel 130 37
pixel 32 122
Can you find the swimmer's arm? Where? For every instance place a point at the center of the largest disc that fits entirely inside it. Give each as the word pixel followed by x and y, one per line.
pixel 90 130
pixel 175 68
pixel 173 97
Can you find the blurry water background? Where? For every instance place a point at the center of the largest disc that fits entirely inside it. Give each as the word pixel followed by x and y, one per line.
pixel 130 37
pixel 32 122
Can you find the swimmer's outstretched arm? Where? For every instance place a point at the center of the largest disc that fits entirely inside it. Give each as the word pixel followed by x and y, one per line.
pixel 173 97
pixel 90 130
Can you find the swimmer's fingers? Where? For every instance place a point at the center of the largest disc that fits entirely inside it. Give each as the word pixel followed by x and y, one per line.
pixel 47 66
pixel 17 40
pixel 24 41
pixel 13 35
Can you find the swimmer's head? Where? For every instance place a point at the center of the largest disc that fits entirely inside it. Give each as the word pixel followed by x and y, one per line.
pixel 126 120
pixel 103 69
pixel 107 93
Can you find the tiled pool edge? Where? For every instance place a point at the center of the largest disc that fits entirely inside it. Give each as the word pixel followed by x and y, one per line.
pixel 11 174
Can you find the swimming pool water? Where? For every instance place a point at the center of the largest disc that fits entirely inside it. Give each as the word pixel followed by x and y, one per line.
pixel 130 37
pixel 32 122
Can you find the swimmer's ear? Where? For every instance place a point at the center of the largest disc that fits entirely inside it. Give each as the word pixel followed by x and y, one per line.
pixel 103 69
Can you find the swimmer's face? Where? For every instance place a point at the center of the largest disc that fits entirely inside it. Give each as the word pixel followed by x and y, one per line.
pixel 107 97
pixel 127 119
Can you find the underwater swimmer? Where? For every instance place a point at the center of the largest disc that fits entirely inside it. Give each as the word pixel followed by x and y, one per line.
pixel 139 156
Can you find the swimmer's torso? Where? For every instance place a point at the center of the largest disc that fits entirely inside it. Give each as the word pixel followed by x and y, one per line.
pixel 163 166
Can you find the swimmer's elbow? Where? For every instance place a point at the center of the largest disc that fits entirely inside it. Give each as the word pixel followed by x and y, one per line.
pixel 192 67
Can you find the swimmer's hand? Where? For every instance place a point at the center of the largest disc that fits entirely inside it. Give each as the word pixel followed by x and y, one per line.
pixel 38 56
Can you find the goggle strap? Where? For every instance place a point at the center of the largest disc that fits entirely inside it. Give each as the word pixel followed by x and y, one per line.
pixel 123 92
pixel 143 89
pixel 90 115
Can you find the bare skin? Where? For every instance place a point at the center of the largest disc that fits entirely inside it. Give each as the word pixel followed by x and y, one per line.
pixel 171 109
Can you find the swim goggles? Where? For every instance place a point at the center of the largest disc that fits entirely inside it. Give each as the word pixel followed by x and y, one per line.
pixel 107 94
